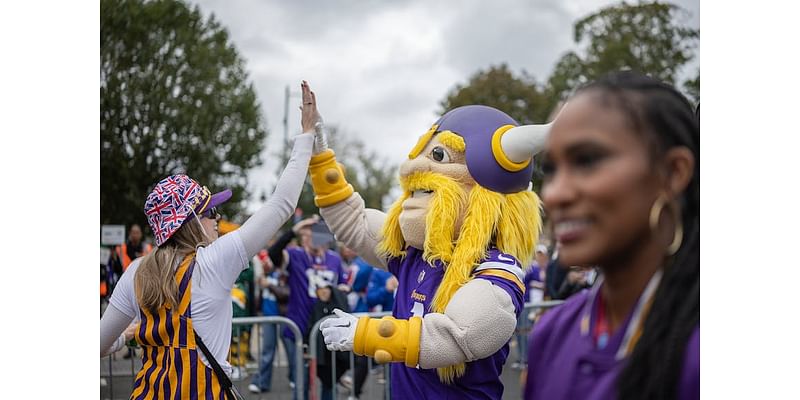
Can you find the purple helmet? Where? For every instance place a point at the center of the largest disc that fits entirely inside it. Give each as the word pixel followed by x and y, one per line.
pixel 482 128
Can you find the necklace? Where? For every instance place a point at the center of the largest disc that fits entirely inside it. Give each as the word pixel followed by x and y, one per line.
pixel 633 331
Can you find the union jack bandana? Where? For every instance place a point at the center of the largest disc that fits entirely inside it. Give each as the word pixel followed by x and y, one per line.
pixel 172 202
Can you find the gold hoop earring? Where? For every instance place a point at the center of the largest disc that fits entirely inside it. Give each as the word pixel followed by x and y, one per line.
pixel 655 214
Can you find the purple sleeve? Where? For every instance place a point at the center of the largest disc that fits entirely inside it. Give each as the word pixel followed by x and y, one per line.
pixel 342 273
pixel 393 265
pixel 531 275
pixel 291 263
pixel 690 376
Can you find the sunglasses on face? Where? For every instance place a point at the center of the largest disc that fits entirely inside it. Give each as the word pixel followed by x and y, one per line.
pixel 211 213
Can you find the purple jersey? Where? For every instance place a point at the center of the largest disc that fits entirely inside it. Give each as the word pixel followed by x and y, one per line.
pixel 533 274
pixel 565 363
pixel 302 269
pixel 418 283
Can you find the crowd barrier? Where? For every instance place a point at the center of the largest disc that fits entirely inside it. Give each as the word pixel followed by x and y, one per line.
pixel 315 388
pixel 312 365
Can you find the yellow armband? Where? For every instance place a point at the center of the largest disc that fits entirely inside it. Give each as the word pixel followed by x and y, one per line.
pixel 327 179
pixel 389 339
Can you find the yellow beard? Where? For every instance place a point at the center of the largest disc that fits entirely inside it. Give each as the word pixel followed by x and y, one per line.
pixel 513 221
pixel 392 243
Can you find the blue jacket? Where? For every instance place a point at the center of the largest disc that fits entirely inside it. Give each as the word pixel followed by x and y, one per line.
pixel 376 291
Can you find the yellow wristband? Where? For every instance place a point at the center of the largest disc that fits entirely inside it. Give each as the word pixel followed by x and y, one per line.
pixel 327 179
pixel 389 339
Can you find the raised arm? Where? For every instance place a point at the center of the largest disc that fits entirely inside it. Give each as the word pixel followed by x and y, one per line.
pixel 264 224
pixel 343 209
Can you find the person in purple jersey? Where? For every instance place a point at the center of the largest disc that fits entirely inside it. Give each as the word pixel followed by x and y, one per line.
pixel 306 265
pixel 622 188
pixel 457 240
pixel 534 292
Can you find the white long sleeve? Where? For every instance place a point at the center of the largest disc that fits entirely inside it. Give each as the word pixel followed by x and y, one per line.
pixel 264 224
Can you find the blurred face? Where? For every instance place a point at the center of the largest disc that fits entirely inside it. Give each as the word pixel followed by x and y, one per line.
pixel 541 259
pixel 305 237
pixel 135 234
pixel 348 253
pixel 210 227
pixel 324 294
pixel 599 183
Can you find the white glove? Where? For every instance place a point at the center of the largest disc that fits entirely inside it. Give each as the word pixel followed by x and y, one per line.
pixel 339 331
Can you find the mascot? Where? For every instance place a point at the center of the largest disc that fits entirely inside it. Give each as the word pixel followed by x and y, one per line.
pixel 456 239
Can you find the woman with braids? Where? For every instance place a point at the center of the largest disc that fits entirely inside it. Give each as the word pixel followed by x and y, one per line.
pixel 181 291
pixel 622 187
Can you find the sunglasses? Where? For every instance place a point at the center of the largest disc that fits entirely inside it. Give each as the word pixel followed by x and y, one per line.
pixel 211 213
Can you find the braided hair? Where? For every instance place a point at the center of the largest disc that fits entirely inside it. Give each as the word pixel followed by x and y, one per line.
pixel 666 119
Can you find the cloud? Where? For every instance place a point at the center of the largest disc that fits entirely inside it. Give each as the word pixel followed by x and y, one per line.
pixel 380 69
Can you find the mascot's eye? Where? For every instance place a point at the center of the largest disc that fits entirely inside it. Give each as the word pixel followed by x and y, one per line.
pixel 439 154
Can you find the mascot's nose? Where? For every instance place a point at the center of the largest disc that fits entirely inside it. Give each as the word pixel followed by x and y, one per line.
pixel 418 164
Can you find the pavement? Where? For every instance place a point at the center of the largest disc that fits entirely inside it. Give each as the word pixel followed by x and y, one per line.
pixel 120 382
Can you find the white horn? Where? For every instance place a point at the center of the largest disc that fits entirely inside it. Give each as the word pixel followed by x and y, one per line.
pixel 521 143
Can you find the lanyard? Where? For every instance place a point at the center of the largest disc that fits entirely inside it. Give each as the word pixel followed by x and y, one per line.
pixel 634 329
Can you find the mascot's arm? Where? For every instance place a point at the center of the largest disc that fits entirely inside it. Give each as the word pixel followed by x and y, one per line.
pixel 343 209
pixel 478 321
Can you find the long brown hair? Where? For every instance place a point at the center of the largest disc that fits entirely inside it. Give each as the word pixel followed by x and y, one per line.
pixel 154 283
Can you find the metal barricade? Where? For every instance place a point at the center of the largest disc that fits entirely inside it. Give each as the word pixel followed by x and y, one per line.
pixel 109 376
pixel 315 392
pixel 264 320
pixel 524 326
pixel 298 341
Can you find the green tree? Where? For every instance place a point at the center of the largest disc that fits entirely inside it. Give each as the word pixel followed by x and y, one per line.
pixel 174 98
pixel 648 37
pixel 519 97
pixel 372 175
pixel 692 88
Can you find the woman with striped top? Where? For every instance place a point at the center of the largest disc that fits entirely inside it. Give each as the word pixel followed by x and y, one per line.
pixel 182 289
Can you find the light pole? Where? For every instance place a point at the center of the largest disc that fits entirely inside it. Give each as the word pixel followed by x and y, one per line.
pixel 287 93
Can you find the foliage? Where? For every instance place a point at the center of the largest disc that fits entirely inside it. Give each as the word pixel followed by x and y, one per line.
pixel 646 37
pixel 692 88
pixel 174 98
pixel 519 97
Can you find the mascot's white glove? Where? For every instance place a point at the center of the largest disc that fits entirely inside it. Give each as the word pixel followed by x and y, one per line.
pixel 339 331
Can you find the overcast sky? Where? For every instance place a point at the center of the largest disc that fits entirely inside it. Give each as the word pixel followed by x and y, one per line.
pixel 380 69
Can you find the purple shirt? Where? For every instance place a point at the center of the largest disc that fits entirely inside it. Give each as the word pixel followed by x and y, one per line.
pixel 533 274
pixel 418 282
pixel 563 363
pixel 302 289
